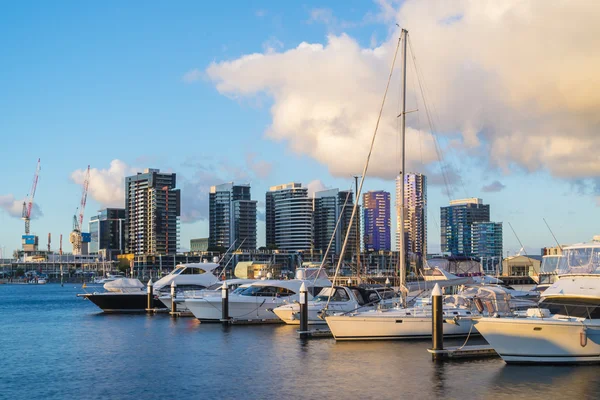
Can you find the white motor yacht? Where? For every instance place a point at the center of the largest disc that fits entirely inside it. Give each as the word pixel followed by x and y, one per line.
pixel 256 303
pixel 336 299
pixel 129 295
pixel 212 290
pixel 565 326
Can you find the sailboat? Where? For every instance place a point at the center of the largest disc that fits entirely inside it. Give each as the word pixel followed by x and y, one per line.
pixel 398 322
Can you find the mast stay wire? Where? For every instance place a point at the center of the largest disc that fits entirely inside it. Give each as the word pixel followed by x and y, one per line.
pixel 365 169
pixel 430 113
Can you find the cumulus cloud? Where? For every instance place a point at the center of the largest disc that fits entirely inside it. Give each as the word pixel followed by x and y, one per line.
pixel 14 207
pixel 517 80
pixel 107 186
pixel 316 186
pixel 495 186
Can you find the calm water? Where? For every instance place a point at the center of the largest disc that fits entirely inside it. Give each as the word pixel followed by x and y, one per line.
pixel 54 345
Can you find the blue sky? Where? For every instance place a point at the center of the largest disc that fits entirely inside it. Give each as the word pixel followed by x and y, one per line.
pixel 91 83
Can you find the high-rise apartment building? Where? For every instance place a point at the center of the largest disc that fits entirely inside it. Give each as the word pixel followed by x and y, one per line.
pixel 289 214
pixel 486 239
pixel 456 225
pixel 152 211
pixel 376 221
pixel 415 214
pixel 232 217
pixel 329 206
pixel 107 233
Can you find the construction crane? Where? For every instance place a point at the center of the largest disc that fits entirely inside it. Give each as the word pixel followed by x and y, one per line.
pixel 76 238
pixel 28 203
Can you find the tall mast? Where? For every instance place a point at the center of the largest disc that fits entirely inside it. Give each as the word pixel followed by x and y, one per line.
pixel 402 250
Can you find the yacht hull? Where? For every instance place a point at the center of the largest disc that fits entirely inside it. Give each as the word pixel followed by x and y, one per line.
pixel 250 309
pixel 121 302
pixel 390 327
pixel 290 313
pixel 542 341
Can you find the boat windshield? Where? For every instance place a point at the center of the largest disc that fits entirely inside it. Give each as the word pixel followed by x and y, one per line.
pixel 550 264
pixel 581 260
pixel 177 270
pixel 267 291
pixel 337 294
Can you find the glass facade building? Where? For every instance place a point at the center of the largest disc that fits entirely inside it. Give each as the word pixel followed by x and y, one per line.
pixel 376 221
pixel 289 217
pixel 232 217
pixel 455 225
pixel 487 244
pixel 328 207
pixel 466 230
pixel 107 233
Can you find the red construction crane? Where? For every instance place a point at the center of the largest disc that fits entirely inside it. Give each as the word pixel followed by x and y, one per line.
pixel 28 203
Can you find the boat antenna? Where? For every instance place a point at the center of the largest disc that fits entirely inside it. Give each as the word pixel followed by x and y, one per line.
pixel 366 167
pixel 519 240
pixel 552 233
pixel 230 258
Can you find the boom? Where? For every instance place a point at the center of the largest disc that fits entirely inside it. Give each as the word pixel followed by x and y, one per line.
pixel 28 203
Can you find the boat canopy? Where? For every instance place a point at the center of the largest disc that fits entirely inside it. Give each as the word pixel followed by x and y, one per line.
pixel 459 266
pixel 580 259
pixel 124 285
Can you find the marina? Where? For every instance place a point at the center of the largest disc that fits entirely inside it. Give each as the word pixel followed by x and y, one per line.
pixel 73 351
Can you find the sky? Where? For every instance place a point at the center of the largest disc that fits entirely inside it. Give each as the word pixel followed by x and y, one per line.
pixel 268 92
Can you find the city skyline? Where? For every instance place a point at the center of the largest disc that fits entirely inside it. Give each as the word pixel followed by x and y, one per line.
pixel 136 97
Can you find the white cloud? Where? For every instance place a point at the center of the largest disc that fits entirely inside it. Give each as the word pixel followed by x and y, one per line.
pixel 14 207
pixel 107 186
pixel 192 76
pixel 315 186
pixel 516 79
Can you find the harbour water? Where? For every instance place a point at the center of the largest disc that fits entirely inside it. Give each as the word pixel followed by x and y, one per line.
pixel 57 346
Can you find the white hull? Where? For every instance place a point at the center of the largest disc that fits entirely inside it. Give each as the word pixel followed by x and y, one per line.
pixel 290 313
pixel 243 308
pixel 547 340
pixel 391 325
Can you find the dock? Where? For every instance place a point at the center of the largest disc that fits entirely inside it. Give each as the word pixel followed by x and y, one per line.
pixel 475 351
pixel 315 334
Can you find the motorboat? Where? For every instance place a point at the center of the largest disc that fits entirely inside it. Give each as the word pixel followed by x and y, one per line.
pixel 548 271
pixel 212 290
pixel 256 302
pixel 565 326
pixel 335 299
pixel 129 295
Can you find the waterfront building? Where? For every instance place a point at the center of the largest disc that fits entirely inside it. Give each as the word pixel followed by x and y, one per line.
pixel 415 215
pixel 487 244
pixel 199 245
pixel 152 211
pixel 232 217
pixel 329 206
pixel 466 230
pixel 107 233
pixel 455 225
pixel 376 221
pixel 289 217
